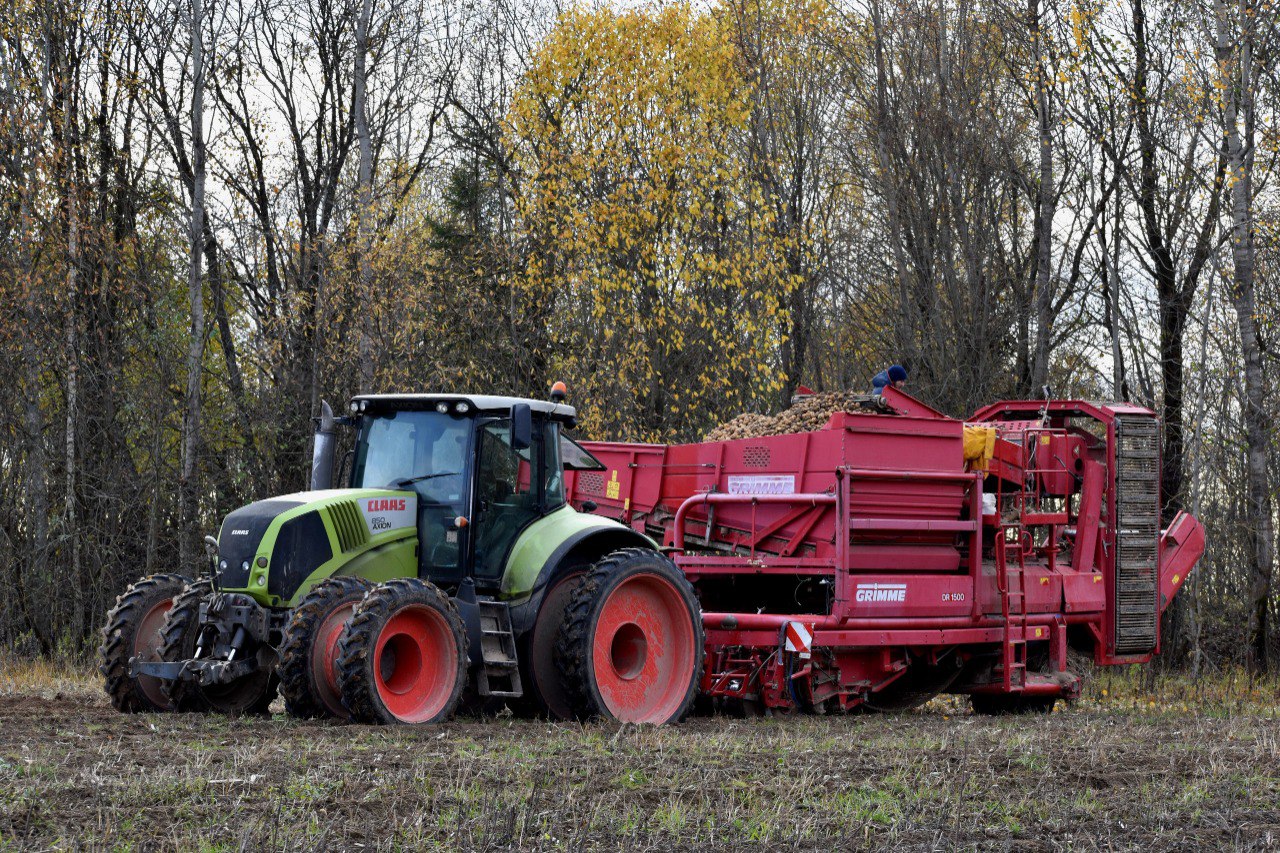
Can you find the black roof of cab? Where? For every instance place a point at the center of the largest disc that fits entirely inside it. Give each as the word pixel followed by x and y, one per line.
pixel 478 403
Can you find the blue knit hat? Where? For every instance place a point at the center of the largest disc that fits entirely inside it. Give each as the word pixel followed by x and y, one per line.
pixel 897 373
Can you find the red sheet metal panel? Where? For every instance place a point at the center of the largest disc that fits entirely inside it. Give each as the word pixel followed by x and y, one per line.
pixel 654 480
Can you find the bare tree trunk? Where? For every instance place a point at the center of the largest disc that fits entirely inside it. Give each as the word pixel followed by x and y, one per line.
pixel 1046 203
pixel 1259 528
pixel 24 170
pixel 365 199
pixel 30 568
pixel 1175 278
pixel 37 467
pixel 235 378
pixel 153 505
pixel 903 332
pixel 71 321
pixel 1196 452
pixel 1111 263
pixel 195 352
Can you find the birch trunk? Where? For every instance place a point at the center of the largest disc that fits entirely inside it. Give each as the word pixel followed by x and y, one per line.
pixel 71 331
pixel 1236 63
pixel 195 351
pixel 365 200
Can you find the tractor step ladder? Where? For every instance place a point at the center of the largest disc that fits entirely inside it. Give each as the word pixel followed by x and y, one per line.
pixel 1013 609
pixel 499 673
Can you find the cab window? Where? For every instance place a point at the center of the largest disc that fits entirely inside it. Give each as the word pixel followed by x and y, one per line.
pixel 513 488
pixel 506 497
pixel 553 481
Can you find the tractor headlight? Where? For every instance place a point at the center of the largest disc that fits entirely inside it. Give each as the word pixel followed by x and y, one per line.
pixel 462 408
pixel 244 567
pixel 442 407
pixel 355 407
pixel 364 405
pixel 222 565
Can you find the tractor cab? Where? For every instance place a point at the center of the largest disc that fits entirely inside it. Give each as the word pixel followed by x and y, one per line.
pixel 480 470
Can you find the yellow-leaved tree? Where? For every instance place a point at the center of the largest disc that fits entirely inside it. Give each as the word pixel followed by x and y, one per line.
pixel 641 224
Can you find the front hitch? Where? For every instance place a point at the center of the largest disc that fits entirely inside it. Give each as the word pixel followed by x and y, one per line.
pixel 207 672
pixel 228 624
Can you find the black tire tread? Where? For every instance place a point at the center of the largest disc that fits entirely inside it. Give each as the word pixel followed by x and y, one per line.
pixel 533 704
pixel 354 669
pixel 571 652
pixel 183 695
pixel 118 639
pixel 187 696
pixel 294 669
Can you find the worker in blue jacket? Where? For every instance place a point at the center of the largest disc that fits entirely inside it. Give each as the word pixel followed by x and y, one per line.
pixel 895 377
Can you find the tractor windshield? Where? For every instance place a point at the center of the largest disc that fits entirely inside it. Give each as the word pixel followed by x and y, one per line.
pixel 422 451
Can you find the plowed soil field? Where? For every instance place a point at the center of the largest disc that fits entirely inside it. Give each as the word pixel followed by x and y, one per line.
pixel 1158 773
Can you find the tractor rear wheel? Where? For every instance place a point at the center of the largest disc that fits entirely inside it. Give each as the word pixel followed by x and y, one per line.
pixel 133 630
pixel 403 656
pixel 631 645
pixel 547 690
pixel 308 678
pixel 1001 704
pixel 251 694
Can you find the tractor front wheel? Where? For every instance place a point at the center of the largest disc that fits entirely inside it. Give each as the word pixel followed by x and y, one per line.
pixel 133 630
pixel 631 645
pixel 308 677
pixel 251 694
pixel 403 656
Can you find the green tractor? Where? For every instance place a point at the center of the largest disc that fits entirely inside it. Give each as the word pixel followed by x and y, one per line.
pixel 450 570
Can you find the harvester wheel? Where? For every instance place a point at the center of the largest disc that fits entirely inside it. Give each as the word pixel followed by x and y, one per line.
pixel 999 704
pixel 547 689
pixel 133 630
pixel 252 694
pixel 631 645
pixel 308 679
pixel 403 656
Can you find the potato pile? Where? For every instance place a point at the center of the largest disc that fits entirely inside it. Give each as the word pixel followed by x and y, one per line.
pixel 808 414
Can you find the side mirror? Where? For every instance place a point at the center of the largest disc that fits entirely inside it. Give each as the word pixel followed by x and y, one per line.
pixel 521 426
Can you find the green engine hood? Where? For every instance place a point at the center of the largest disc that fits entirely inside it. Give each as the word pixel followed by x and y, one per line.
pixel 277 549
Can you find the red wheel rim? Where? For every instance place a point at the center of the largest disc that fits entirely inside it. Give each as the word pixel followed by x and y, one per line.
pixel 643 650
pixel 545 631
pixel 145 642
pixel 415 664
pixel 324 656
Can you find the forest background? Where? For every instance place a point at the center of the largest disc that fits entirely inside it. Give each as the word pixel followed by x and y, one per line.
pixel 216 213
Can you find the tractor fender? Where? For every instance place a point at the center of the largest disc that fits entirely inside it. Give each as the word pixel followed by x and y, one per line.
pixel 576 540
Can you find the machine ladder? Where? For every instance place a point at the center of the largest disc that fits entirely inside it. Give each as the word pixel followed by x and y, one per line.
pixel 1013 610
pixel 499 672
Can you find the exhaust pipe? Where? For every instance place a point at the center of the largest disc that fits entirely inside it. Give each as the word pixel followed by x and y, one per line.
pixel 322 450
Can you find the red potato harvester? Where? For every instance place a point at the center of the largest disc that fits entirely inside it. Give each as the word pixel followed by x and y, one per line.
pixel 896 554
